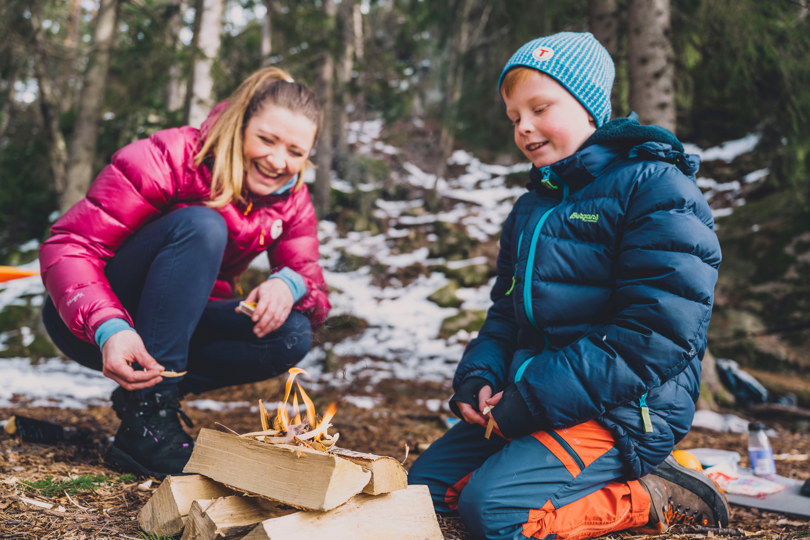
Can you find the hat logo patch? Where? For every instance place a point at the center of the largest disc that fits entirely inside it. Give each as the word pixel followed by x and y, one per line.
pixel 275 229
pixel 541 54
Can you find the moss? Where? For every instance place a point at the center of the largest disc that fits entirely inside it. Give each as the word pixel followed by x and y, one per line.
pixel 446 296
pixel 473 275
pixel 14 317
pixel 469 320
pixel 84 483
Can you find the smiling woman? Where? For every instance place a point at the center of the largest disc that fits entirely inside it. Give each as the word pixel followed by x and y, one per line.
pixel 277 145
pixel 141 274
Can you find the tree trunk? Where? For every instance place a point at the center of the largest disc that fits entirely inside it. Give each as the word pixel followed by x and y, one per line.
pixel 49 111
pixel 345 69
pixel 207 41
pixel 460 44
pixel 176 87
pixel 91 103
pixel 267 31
pixel 604 24
pixel 652 70
pixel 325 151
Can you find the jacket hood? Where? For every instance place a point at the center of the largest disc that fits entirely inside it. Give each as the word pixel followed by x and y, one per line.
pixel 628 132
pixel 622 137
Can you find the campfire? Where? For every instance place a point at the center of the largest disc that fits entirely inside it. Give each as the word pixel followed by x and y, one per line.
pixel 288 481
pixel 310 433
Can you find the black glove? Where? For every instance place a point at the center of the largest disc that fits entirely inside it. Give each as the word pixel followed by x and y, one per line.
pixel 468 393
pixel 513 416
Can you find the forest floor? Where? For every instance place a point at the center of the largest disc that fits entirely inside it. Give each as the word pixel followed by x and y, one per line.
pixel 399 425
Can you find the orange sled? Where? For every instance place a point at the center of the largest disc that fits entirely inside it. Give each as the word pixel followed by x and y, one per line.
pixel 7 273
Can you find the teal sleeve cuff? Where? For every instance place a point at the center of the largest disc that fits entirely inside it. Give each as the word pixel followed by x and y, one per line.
pixel 108 328
pixel 293 280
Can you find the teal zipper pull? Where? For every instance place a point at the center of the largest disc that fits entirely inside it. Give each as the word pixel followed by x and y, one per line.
pixel 645 414
pixel 546 181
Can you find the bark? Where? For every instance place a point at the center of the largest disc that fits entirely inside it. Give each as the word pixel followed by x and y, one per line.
pixel 345 69
pixel 267 31
pixel 176 87
pixel 64 78
pixel 604 24
pixel 49 112
pixel 325 150
pixel 651 63
pixel 207 41
pixel 82 150
pixel 461 42
pixel 359 58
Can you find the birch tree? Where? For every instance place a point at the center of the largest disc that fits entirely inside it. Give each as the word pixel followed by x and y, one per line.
pixel 207 40
pixel 83 144
pixel 651 63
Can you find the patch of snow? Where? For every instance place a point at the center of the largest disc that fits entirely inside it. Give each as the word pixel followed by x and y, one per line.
pixel 401 338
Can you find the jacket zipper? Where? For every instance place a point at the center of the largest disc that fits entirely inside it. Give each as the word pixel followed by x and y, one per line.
pixel 527 282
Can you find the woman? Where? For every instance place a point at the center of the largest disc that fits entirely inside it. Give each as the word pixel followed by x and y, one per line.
pixel 142 272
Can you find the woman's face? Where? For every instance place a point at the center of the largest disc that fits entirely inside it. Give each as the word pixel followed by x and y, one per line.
pixel 277 143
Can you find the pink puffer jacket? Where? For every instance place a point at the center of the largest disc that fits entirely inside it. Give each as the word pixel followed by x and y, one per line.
pixel 145 180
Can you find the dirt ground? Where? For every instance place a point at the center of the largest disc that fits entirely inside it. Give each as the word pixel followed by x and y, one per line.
pixel 402 424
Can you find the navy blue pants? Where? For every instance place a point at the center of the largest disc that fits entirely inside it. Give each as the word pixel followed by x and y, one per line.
pixel 565 484
pixel 163 276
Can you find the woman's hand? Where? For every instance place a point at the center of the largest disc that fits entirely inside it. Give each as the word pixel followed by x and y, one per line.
pixel 120 352
pixel 274 301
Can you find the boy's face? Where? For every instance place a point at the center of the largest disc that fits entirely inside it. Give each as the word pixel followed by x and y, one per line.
pixel 550 124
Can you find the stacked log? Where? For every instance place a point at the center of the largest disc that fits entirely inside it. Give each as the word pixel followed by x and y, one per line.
pixel 238 487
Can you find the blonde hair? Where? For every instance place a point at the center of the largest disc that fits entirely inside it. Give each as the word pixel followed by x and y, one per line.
pixel 514 77
pixel 224 139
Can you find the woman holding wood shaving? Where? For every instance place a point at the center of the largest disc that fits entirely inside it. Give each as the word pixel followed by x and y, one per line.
pixel 141 273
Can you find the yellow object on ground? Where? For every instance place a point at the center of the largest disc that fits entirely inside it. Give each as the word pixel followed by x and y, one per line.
pixel 687 459
pixel 7 273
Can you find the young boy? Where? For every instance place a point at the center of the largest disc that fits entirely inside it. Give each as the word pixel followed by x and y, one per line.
pixel 588 364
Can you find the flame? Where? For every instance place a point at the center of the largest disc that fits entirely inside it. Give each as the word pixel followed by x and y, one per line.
pixel 282 420
pixel 324 424
pixel 309 406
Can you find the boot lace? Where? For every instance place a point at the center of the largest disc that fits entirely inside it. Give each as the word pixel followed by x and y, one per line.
pixel 676 515
pixel 161 421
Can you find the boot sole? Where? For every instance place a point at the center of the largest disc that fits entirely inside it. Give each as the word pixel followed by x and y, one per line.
pixel 698 483
pixel 120 459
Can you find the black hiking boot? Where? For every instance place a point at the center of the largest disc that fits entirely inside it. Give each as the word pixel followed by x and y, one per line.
pixel 119 398
pixel 150 440
pixel 680 495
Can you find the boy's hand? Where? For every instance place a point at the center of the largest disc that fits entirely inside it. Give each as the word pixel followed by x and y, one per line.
pixel 492 425
pixel 485 399
pixel 121 351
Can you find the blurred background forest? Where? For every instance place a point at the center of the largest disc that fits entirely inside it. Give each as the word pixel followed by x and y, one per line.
pixel 81 78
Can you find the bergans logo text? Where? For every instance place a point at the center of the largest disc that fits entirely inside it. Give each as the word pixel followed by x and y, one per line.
pixel 585 218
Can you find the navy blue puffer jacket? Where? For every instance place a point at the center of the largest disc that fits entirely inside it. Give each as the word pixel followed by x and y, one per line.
pixel 605 285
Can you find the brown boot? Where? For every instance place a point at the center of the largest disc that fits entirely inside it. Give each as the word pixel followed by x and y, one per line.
pixel 683 496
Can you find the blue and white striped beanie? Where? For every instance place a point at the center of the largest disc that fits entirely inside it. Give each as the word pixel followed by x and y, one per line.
pixel 575 60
